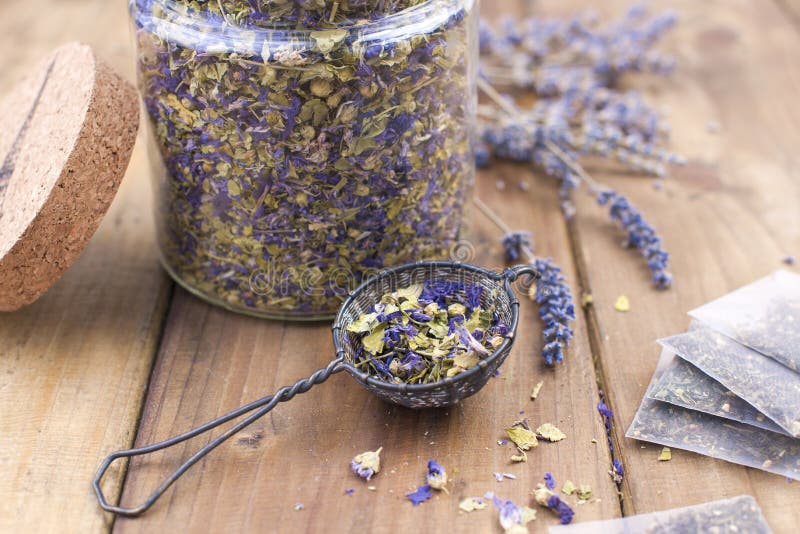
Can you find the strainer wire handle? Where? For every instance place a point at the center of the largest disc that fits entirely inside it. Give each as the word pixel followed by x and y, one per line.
pixel 266 404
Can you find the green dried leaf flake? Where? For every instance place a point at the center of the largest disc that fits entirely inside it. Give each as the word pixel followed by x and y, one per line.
pixel 549 432
pixel 523 438
pixel 470 504
pixel 536 389
pixel 568 488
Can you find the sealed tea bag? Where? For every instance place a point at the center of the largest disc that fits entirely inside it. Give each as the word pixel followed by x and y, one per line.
pixel 767 385
pixel 739 514
pixel 764 315
pixel 683 384
pixel 679 428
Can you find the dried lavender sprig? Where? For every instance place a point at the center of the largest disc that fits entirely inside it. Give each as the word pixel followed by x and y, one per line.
pixel 563 164
pixel 553 295
pixel 551 56
pixel 639 235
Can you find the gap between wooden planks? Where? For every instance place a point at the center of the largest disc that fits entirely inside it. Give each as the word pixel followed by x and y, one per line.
pixel 728 218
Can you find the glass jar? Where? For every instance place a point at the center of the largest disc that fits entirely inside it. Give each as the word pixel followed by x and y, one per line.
pixel 298 162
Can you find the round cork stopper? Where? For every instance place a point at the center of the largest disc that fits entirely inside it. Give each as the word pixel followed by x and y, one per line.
pixel 66 136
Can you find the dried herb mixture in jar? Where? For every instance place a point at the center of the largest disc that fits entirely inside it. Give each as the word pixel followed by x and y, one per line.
pixel 300 161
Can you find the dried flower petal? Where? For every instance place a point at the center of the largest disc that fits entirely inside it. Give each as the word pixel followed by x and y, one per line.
pixel 666 455
pixel 422 494
pixel 549 481
pixel 536 389
pixel 568 488
pixel 367 464
pixel 622 304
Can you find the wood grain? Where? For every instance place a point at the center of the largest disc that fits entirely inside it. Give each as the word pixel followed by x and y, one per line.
pixel 74 366
pixel 212 361
pixel 728 217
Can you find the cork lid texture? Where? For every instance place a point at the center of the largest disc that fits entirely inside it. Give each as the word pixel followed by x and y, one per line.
pixel 67 134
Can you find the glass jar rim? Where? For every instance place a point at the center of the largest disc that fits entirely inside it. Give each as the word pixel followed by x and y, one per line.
pixel 212 33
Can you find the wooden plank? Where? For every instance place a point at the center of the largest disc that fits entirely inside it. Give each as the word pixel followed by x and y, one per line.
pixel 74 366
pixel 728 218
pixel 213 361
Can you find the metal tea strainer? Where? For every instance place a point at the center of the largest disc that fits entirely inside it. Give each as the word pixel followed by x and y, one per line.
pixel 497 292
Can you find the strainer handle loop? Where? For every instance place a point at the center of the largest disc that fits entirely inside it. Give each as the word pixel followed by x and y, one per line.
pixel 514 272
pixel 266 404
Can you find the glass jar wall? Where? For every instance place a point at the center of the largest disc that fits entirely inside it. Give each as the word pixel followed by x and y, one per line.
pixel 297 162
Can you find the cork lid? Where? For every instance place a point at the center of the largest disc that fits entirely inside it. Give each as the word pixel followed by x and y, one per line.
pixel 66 136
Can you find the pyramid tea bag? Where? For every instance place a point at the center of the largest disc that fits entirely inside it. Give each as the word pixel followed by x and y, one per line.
pixel 683 384
pixel 739 514
pixel 764 315
pixel 680 428
pixel 767 385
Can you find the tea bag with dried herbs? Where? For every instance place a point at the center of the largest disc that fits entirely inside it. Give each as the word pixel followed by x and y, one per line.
pixel 683 384
pixel 679 428
pixel 764 315
pixel 767 385
pixel 427 332
pixel 739 514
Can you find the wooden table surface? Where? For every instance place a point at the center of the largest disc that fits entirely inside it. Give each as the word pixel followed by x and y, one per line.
pixel 115 355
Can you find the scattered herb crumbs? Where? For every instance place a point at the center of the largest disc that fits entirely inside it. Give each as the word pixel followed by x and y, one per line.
pixel 622 304
pixel 423 333
pixel 367 464
pixel 422 494
pixel 536 389
pixel 470 504
pixel 523 438
pixel 549 432
pixel 584 493
pixel 666 455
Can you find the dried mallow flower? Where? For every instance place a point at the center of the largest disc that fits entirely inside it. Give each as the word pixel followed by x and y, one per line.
pixel 426 332
pixel 546 498
pixel 437 476
pixel 513 518
pixel 549 481
pixel 420 495
pixel 367 464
